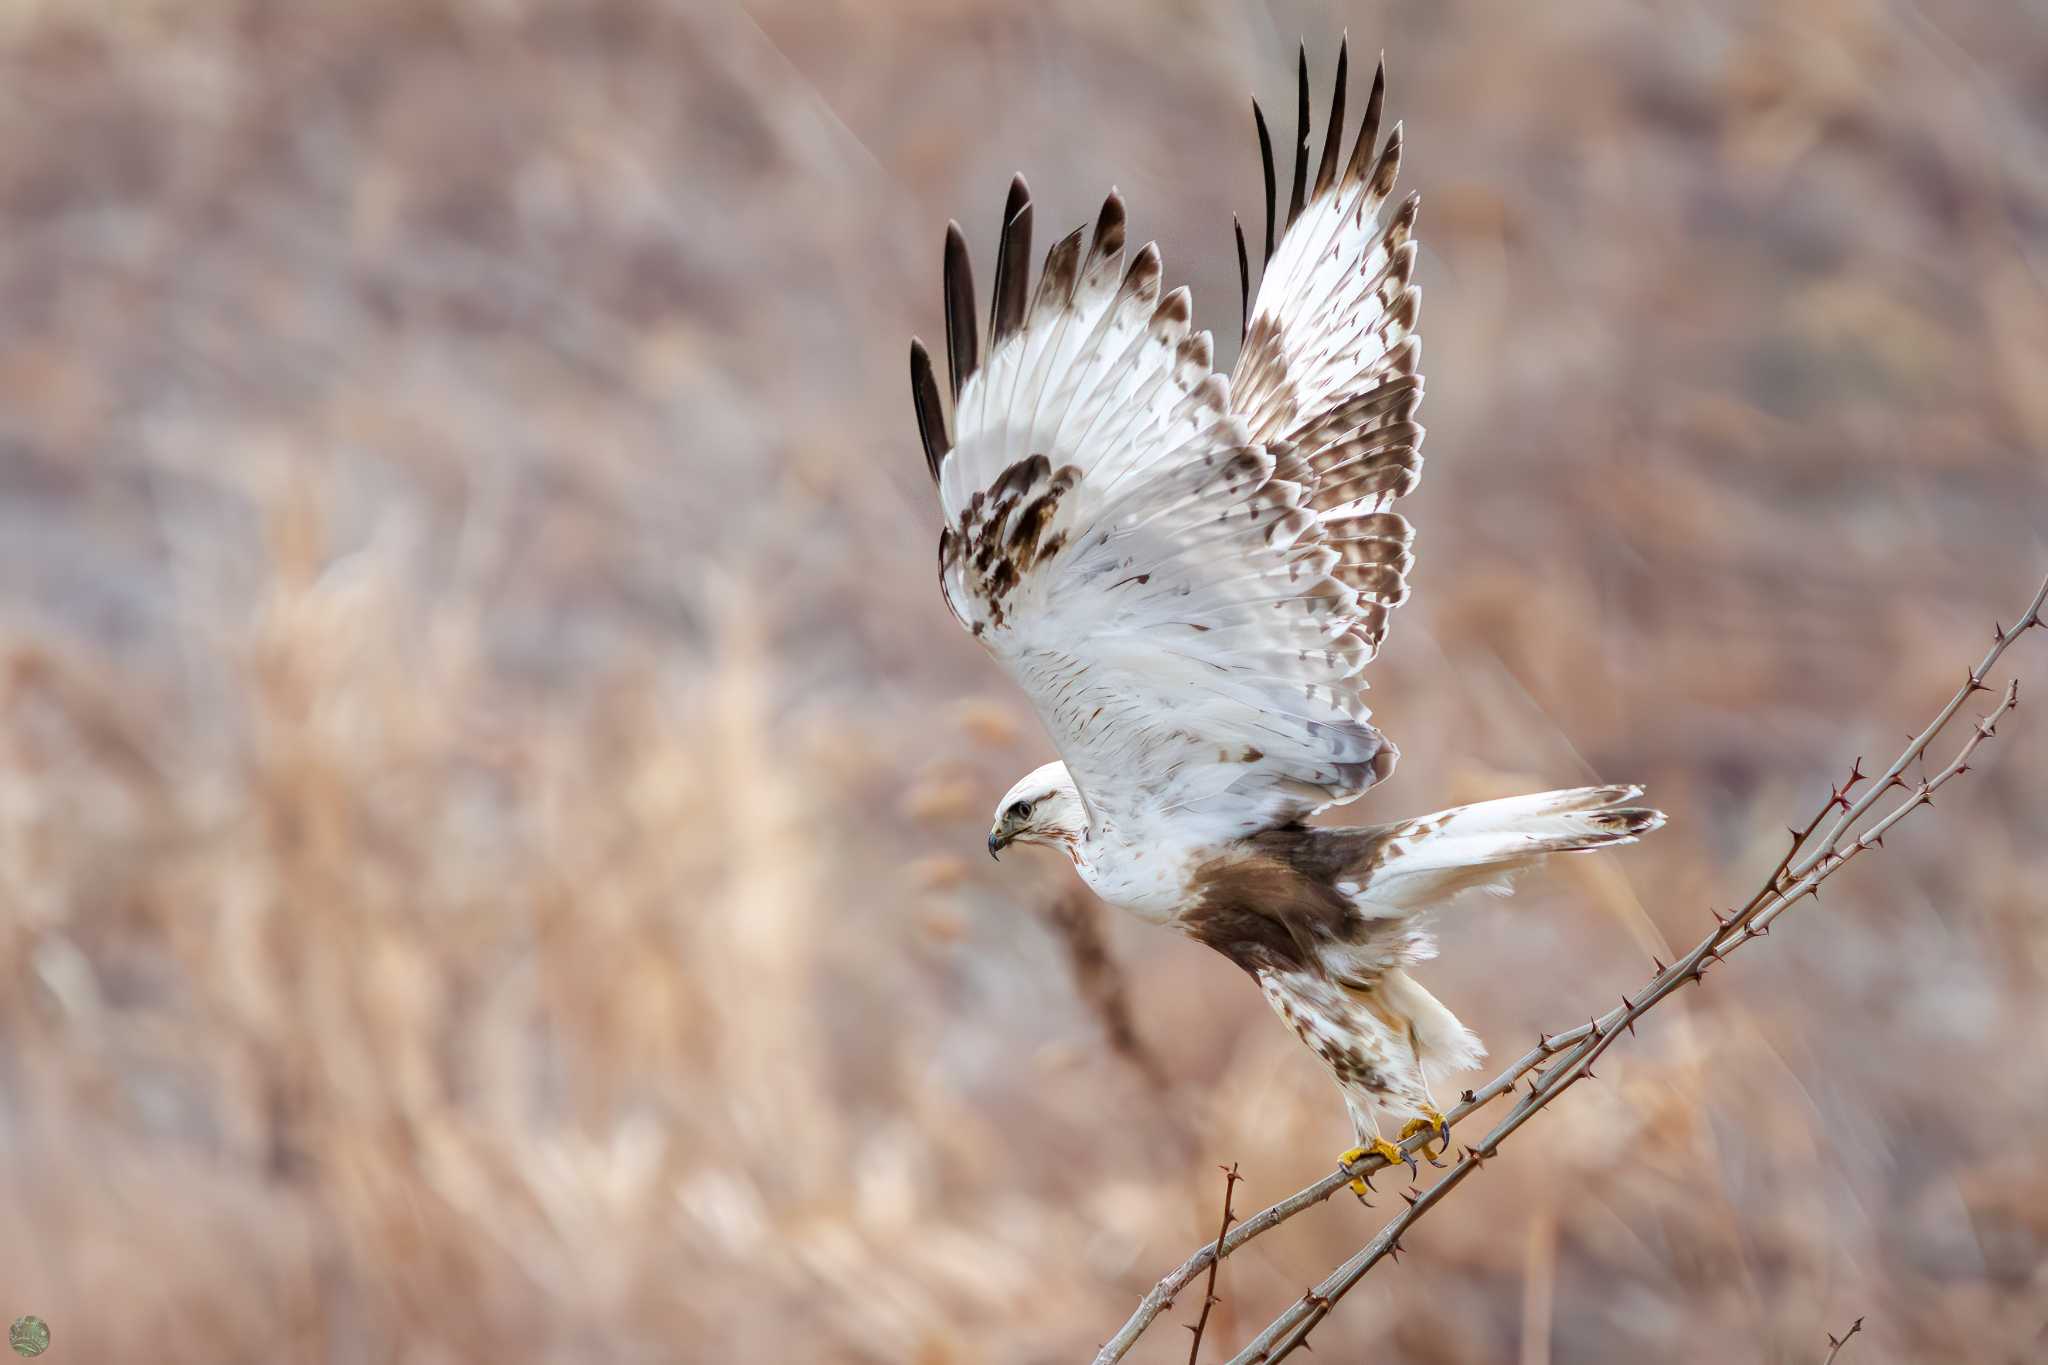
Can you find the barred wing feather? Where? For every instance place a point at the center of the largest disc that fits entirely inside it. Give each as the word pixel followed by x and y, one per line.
pixel 1328 368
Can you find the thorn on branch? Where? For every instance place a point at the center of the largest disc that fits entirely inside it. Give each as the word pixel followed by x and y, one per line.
pixel 1835 1343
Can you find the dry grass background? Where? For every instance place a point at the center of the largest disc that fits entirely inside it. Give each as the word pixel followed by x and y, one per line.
pixel 490 798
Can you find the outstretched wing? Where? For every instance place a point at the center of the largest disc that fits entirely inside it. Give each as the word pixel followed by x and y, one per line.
pixel 1328 365
pixel 1154 569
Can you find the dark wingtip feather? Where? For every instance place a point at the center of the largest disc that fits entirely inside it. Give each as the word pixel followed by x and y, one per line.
pixel 963 339
pixel 1178 307
pixel 1109 230
pixel 1298 197
pixel 1369 127
pixel 1244 281
pixel 1062 271
pixel 1401 227
pixel 1013 257
pixel 1272 185
pixel 1144 271
pixel 931 420
pixel 1333 136
pixel 1388 169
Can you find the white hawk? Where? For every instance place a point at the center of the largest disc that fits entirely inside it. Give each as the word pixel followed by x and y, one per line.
pixel 1188 573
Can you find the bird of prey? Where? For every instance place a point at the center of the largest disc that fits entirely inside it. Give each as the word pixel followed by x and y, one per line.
pixel 1188 572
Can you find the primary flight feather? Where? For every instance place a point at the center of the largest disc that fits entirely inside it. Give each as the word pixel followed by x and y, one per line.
pixel 1188 573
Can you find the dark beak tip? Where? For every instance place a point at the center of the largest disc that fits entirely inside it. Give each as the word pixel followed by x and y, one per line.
pixel 993 845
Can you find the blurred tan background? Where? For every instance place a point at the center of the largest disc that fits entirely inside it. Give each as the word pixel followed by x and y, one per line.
pixel 491 800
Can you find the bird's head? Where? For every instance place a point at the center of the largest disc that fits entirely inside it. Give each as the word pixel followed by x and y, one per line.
pixel 1044 808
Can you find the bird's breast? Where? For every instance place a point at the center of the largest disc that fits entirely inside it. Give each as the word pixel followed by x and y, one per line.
pixel 1150 884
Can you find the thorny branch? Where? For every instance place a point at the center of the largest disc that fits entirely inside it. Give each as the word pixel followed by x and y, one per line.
pixel 1201 1324
pixel 1560 1060
pixel 1836 1343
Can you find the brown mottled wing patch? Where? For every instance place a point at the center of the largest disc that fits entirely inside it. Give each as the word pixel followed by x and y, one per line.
pixel 1003 535
pixel 1330 355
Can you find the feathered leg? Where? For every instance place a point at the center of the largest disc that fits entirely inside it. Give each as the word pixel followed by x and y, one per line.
pixel 1375 1037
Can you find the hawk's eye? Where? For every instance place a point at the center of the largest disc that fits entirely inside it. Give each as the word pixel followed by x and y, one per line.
pixel 1020 810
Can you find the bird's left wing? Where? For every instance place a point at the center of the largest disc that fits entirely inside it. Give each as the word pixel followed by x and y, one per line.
pixel 1154 576
pixel 1329 365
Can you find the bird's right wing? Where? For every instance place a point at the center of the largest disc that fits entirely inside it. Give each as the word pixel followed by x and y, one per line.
pixel 1150 572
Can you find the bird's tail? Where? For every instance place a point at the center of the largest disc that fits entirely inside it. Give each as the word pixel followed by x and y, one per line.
pixel 1481 847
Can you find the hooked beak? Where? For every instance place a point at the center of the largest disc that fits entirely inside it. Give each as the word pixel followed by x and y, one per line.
pixel 996 842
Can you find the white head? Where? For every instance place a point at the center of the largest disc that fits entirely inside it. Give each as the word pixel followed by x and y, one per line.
pixel 1044 808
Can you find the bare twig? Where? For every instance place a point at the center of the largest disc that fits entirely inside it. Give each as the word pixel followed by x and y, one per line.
pixel 1835 1343
pixel 1561 1060
pixel 1201 1324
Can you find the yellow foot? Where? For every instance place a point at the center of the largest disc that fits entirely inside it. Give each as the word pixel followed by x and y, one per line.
pixel 1433 1123
pixel 1393 1155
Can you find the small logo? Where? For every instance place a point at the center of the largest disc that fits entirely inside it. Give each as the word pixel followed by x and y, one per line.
pixel 29 1336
